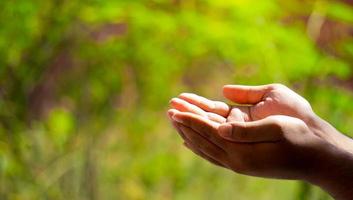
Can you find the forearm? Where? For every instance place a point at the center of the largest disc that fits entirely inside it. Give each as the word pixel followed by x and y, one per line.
pixel 335 173
pixel 334 170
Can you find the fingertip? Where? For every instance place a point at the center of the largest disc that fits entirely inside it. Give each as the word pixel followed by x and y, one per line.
pixel 227 86
pixel 171 113
pixel 177 103
pixel 173 101
pixel 177 117
pixel 224 88
pixel 227 93
pixel 186 94
pixel 221 108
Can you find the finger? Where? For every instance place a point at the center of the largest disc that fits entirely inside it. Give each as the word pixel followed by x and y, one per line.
pixel 239 114
pixel 210 149
pixel 265 130
pixel 175 124
pixel 171 112
pixel 177 128
pixel 217 107
pixel 216 118
pixel 205 127
pixel 242 94
pixel 194 149
pixel 185 106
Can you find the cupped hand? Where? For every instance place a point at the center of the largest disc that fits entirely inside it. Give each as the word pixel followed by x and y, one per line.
pixel 267 100
pixel 276 146
pixel 252 103
pixel 276 116
pixel 270 132
pixel 258 102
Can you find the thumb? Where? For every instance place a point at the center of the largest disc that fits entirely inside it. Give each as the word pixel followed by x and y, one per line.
pixel 265 130
pixel 243 94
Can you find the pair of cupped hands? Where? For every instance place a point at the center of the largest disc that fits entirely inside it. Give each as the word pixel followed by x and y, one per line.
pixel 269 131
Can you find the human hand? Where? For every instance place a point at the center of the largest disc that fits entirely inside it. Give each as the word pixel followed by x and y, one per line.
pixel 308 149
pixel 274 147
pixel 277 146
pixel 261 102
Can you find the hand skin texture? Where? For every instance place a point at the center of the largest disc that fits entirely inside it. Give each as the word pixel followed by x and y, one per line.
pixel 272 132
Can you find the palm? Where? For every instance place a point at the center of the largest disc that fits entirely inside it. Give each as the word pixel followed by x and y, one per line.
pixel 274 106
pixel 260 102
pixel 276 100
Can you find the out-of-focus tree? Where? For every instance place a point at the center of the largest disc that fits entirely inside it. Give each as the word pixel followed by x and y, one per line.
pixel 84 86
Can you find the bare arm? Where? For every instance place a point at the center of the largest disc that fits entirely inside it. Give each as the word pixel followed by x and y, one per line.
pixel 279 123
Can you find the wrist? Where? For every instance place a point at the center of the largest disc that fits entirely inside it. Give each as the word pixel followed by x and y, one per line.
pixel 327 132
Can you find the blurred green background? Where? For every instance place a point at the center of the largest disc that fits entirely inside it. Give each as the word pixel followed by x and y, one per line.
pixel 84 86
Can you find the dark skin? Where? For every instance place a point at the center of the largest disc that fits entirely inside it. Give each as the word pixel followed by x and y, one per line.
pixel 272 132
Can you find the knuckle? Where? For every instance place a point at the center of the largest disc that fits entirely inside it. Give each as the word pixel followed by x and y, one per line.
pixel 275 122
pixel 298 122
pixel 277 125
pixel 300 125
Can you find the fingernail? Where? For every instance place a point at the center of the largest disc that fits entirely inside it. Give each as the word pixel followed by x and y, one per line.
pixel 225 130
pixel 177 119
pixel 172 100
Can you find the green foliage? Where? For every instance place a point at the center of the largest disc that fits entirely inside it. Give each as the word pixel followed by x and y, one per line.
pixel 60 125
pixel 84 86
